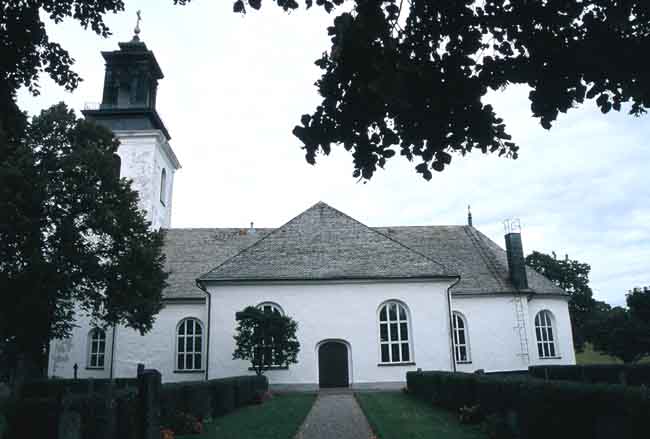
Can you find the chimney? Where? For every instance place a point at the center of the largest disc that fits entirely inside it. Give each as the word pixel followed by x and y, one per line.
pixel 515 251
pixel 252 230
pixel 469 216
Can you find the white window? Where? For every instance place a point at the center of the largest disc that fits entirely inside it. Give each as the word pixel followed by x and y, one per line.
pixel 270 307
pixel 189 345
pixel 461 341
pixel 394 333
pixel 96 349
pixel 163 186
pixel 545 335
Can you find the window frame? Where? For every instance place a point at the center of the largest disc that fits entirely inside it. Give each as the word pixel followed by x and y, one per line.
pixel 193 352
pixel 458 316
pixel 163 186
pixel 547 347
pixel 399 341
pixel 274 307
pixel 98 336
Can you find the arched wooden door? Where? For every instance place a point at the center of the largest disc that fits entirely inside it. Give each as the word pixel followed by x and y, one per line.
pixel 333 364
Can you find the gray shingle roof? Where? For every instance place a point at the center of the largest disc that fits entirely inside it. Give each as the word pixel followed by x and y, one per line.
pixel 192 252
pixel 481 263
pixel 323 243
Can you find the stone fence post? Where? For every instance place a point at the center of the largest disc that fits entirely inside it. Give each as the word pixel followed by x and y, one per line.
pixel 149 386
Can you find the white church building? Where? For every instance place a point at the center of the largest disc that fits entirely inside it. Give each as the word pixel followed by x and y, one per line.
pixel 371 302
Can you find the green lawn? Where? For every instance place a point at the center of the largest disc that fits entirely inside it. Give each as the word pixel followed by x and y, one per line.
pixel 278 418
pixel 394 415
pixel 589 356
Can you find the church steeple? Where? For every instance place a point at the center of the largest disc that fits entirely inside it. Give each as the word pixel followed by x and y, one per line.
pixel 128 108
pixel 130 88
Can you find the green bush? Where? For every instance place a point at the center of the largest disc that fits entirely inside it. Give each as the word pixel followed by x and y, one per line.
pixel 102 417
pixel 126 415
pixel 223 397
pixel 56 387
pixel 209 398
pixel 536 409
pixel 635 375
pixel 31 418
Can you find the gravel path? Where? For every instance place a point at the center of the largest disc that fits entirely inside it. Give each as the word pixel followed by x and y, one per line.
pixel 335 416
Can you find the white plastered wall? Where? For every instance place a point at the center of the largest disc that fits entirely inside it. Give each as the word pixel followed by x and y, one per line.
pixel 494 340
pixel 144 154
pixel 157 348
pixel 559 308
pixel 336 311
pixel 65 353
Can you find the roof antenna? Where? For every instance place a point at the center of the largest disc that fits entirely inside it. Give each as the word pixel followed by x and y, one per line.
pixel 469 215
pixel 136 31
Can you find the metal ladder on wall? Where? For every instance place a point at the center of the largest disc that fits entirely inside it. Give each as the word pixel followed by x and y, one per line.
pixel 520 318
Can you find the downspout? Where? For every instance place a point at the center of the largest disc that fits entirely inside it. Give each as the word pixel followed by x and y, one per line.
pixel 207 337
pixel 451 325
pixel 112 351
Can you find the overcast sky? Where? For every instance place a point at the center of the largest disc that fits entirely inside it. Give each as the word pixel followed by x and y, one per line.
pixel 235 87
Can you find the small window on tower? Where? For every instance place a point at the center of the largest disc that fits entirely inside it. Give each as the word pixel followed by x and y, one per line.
pixel 163 186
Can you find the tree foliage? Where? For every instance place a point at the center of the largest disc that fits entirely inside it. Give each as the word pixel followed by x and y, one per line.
pixel 266 339
pixel 573 277
pixel 623 333
pixel 409 77
pixel 406 77
pixel 72 238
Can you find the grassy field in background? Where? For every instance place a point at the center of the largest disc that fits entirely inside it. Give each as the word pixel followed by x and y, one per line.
pixel 278 418
pixel 589 356
pixel 395 415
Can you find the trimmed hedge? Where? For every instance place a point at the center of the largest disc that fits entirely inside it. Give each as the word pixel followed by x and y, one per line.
pixel 634 375
pixel 55 388
pixel 536 409
pixel 210 398
pixel 102 416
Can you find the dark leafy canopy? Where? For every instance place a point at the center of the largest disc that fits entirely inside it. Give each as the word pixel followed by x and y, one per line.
pixel 406 76
pixel 622 336
pixel 266 339
pixel 623 333
pixel 573 277
pixel 409 76
pixel 71 234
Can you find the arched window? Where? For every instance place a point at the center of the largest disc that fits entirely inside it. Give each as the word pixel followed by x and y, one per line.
pixel 189 345
pixel 394 333
pixel 96 348
pixel 267 345
pixel 461 340
pixel 163 186
pixel 270 307
pixel 545 335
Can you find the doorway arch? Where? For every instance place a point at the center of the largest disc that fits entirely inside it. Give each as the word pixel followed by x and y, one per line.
pixel 333 364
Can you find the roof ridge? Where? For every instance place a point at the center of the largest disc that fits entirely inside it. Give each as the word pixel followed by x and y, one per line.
pixel 260 240
pixel 470 230
pixel 444 267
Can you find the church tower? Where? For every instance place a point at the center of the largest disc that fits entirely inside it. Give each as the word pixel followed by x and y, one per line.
pixel 128 108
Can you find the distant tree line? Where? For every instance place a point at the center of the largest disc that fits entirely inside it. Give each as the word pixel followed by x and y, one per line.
pixel 622 332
